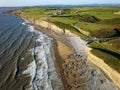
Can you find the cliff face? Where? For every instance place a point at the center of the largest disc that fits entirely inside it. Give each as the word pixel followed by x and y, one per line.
pixel 42 22
pixel 112 74
pixel 88 78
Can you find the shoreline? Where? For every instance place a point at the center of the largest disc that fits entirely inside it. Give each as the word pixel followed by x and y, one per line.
pixel 57 56
pixel 43 66
pixel 59 59
pixel 48 33
pixel 57 50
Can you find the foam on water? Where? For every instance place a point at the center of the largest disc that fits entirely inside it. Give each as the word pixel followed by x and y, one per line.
pixel 42 69
pixel 31 69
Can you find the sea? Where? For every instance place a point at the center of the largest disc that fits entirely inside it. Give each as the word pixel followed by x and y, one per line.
pixel 26 56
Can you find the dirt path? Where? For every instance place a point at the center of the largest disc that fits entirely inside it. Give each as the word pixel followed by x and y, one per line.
pixel 111 73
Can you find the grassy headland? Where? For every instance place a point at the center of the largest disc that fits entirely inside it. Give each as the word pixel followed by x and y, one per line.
pixel 100 22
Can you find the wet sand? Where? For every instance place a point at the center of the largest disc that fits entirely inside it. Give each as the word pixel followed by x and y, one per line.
pixel 61 50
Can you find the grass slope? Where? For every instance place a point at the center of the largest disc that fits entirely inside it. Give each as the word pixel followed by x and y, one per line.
pixel 111 57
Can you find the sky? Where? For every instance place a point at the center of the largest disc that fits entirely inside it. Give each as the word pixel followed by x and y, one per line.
pixel 4 3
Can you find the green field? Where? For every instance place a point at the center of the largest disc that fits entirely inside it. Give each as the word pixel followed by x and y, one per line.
pixel 80 17
pixel 110 55
pixel 100 22
pixel 102 13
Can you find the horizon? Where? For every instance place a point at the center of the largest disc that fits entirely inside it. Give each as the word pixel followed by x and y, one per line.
pixel 22 3
pixel 61 5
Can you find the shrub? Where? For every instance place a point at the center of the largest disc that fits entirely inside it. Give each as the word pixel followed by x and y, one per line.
pixel 106 33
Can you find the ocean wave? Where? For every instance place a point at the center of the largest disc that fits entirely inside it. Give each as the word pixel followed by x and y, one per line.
pixel 42 69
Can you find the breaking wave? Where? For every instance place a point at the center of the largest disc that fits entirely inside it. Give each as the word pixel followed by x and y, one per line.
pixel 42 69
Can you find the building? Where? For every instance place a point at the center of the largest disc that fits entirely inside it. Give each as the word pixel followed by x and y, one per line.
pixel 59 12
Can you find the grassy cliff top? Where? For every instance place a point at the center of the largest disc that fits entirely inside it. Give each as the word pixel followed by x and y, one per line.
pixel 87 18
